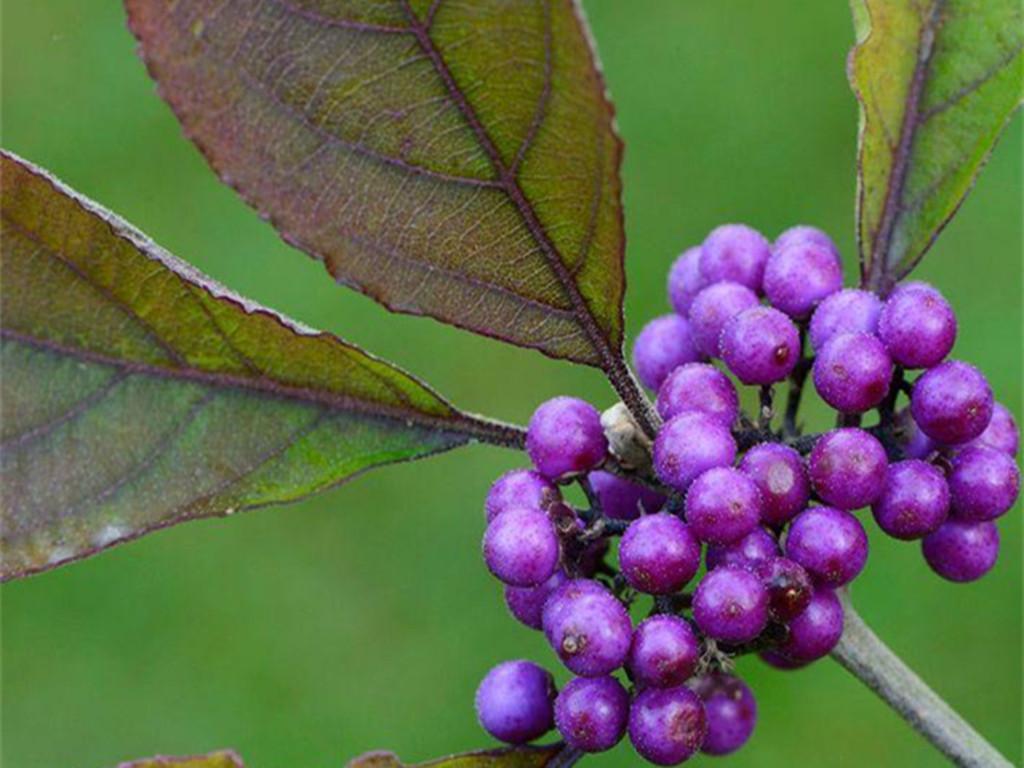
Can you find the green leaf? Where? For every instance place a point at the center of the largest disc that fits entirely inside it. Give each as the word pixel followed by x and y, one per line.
pixel 137 394
pixel 937 81
pixel 511 757
pixel 222 759
pixel 456 160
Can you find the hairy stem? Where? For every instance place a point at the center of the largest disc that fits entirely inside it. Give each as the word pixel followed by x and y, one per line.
pixel 864 655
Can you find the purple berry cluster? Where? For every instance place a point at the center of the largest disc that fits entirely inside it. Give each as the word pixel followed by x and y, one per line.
pixel 740 529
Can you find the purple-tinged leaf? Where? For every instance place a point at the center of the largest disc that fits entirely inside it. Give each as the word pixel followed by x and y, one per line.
pixel 137 394
pixel 509 757
pixel 221 759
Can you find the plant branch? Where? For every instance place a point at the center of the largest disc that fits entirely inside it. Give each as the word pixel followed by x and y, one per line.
pixel 865 656
pixel 625 383
pixel 565 757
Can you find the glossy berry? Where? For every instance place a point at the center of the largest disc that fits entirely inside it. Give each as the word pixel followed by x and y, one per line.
pixel 591 713
pixel 756 546
pixel 588 628
pixel 829 543
pixel 723 505
pixel 777 660
pixel 917 326
pixel 984 484
pixel 816 630
pixel 914 443
pixel 852 372
pixel 915 500
pixel 712 308
pixel 760 345
pixel 659 554
pixel 962 551
pixel 519 489
pixel 731 605
pixel 699 387
pixel 663 345
pixel 667 725
pixel 1001 432
pixel 849 311
pixel 780 476
pixel 690 444
pixel 731 712
pixel 684 280
pixel 952 402
pixel 622 499
pixel 526 604
pixel 847 468
pixel 803 233
pixel 514 702
pixel 800 275
pixel 521 547
pixel 565 437
pixel 664 652
pixel 789 586
pixel 735 253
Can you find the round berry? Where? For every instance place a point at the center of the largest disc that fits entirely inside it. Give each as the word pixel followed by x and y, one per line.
pixel 663 345
pixel 690 444
pixel 760 345
pixel 915 501
pixel 622 499
pixel 664 652
pixel 983 484
pixel 917 326
pixel 731 605
pixel 565 437
pixel 514 702
pixel 780 476
pixel 667 725
pixel 852 372
pixel 914 443
pixel 777 660
pixel 814 632
pixel 659 554
pixel 962 551
pixel 519 489
pixel 699 387
pixel 712 308
pixel 800 275
pixel 521 547
pixel 731 712
pixel 723 505
pixel 588 628
pixel 847 468
pixel 952 402
pixel 756 546
pixel 1001 432
pixel 830 543
pixel 735 253
pixel 526 604
pixel 684 280
pixel 789 587
pixel 849 311
pixel 803 233
pixel 591 713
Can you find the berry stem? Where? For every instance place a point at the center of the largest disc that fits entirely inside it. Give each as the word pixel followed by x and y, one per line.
pixel 565 757
pixel 870 660
pixel 796 389
pixel 625 383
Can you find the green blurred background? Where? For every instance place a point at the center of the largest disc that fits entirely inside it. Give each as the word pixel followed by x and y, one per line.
pixel 364 618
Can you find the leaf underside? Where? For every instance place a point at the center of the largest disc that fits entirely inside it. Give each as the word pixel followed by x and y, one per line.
pixel 137 394
pixel 937 80
pixel 456 160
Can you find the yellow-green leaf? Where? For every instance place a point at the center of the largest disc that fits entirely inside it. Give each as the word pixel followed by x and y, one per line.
pixel 222 759
pixel 511 757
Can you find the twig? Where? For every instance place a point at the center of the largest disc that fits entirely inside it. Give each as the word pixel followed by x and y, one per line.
pixel 565 757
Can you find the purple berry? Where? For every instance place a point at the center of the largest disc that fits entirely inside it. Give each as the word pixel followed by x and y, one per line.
pixel 780 475
pixel 521 547
pixel 735 253
pixel 914 443
pixel 803 233
pixel 789 587
pixel 830 543
pixel 756 546
pixel 667 725
pixel 777 660
pixel 588 628
pixel 622 499
pixel 519 489
pixel 814 632
pixel 731 712
pixel 723 505
pixel 847 468
pixel 659 554
pixel 983 484
pixel 800 275
pixel 915 501
pixel 527 603
pixel 591 713
pixel 1001 432
pixel 565 437
pixel 952 403
pixel 917 326
pixel 699 387
pixel 731 605
pixel 962 551
pixel 663 345
pixel 514 702
pixel 690 444
pixel 760 345
pixel 712 308
pixel 849 311
pixel 852 372
pixel 664 652
pixel 684 280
